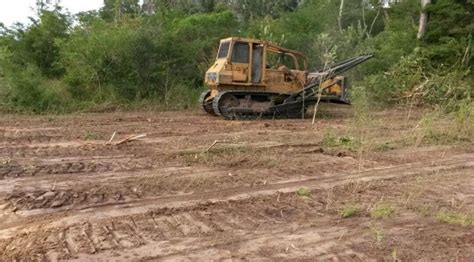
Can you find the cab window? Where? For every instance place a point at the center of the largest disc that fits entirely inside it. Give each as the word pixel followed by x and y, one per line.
pixel 223 50
pixel 275 60
pixel 240 53
pixel 288 61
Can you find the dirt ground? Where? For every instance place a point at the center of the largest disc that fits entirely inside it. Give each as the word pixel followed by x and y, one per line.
pixel 268 189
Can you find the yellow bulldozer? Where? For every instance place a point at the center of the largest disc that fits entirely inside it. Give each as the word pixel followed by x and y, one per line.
pixel 252 78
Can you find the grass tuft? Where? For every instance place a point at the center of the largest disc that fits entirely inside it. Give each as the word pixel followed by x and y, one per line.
pixel 382 211
pixel 303 192
pixel 349 210
pixel 89 135
pixel 455 218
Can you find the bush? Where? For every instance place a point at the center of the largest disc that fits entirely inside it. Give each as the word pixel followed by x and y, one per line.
pixel 29 91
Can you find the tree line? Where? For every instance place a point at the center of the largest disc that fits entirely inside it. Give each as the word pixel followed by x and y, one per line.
pixel 128 54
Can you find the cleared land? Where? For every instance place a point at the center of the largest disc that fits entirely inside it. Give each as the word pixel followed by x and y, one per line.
pixel 275 189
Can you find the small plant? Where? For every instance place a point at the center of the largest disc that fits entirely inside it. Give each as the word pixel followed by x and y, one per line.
pixel 386 146
pixel 303 192
pixel 377 234
pixel 464 118
pixel 362 122
pixel 91 135
pixel 331 140
pixel 382 211
pixel 455 218
pixel 349 210
pixel 395 255
pixel 345 141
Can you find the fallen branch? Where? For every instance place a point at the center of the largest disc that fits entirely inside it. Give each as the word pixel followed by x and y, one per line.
pixel 130 139
pixel 111 138
pixel 215 143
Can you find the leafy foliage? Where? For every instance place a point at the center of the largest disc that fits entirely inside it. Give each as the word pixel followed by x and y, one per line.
pixel 126 54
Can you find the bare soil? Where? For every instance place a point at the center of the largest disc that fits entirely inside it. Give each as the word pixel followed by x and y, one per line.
pixel 268 189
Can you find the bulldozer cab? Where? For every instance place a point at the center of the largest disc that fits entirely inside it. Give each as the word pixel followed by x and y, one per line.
pixel 259 64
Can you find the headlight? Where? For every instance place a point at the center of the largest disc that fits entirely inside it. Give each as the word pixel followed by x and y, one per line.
pixel 212 77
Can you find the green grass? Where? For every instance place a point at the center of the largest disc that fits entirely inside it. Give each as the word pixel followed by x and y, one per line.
pixel 382 211
pixel 331 140
pixel 303 192
pixel 440 128
pixel 349 210
pixel 455 218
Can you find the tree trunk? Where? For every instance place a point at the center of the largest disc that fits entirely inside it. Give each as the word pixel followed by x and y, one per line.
pixel 423 19
pixel 339 18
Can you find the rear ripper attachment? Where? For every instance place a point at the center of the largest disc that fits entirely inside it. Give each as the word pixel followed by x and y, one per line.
pixel 252 79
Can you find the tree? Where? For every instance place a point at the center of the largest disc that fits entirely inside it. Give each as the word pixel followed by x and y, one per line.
pixel 38 44
pixel 113 10
pixel 423 19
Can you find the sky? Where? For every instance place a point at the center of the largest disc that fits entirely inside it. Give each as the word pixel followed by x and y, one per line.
pixel 12 11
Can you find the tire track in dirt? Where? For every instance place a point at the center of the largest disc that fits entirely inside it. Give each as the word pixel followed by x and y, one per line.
pixel 214 222
pixel 304 242
pixel 108 211
pixel 73 167
pixel 123 178
pixel 326 181
pixel 243 229
pixel 126 190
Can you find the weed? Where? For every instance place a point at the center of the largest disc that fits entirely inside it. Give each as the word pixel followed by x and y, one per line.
pixel 439 128
pixel 332 140
pixel 386 146
pixel 455 218
pixel 362 121
pixel 349 210
pixel 303 192
pixel 91 135
pixel 395 255
pixel 377 234
pixel 382 211
pixel 464 118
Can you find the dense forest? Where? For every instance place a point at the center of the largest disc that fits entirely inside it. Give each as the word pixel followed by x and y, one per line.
pixel 129 54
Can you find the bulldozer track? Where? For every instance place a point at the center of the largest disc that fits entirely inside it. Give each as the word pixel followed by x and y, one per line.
pixel 207 108
pixel 248 113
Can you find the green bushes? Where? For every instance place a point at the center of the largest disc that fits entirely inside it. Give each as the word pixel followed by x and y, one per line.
pixel 29 91
pixel 60 63
pixel 160 59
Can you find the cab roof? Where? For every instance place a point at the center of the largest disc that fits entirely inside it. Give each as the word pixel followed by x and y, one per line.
pixel 271 46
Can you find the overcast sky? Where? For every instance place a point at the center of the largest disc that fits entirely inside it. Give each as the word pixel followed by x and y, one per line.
pixel 12 11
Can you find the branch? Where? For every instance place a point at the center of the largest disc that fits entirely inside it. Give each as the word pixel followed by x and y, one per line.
pixel 130 138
